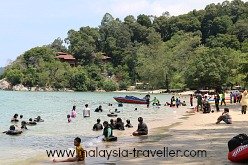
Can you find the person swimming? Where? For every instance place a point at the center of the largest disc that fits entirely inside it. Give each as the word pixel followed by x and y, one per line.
pixel 99 109
pixel 128 125
pixel 68 118
pixel 31 122
pixel 12 131
pixel 98 126
pixel 14 119
pixel 142 128
pixel 24 125
pixel 116 111
pixel 119 124
pixel 112 124
pixel 38 119
pixel 120 105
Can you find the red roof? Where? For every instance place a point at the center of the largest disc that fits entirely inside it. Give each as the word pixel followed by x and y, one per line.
pixel 65 56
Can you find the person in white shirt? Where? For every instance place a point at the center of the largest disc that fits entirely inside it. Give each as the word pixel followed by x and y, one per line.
pixel 86 111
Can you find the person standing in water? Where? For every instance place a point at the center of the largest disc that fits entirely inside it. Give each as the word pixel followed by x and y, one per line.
pixel 147 98
pixel 73 112
pixel 86 111
pixel 98 126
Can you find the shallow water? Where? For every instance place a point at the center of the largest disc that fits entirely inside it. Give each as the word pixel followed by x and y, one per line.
pixel 55 132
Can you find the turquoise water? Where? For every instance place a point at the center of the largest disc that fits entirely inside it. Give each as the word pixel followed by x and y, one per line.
pixel 55 132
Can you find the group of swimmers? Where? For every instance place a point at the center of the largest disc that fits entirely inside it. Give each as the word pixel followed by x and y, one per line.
pixel 114 124
pixel 108 136
pixel 15 129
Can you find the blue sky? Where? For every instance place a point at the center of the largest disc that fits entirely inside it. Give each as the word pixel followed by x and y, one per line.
pixel 29 23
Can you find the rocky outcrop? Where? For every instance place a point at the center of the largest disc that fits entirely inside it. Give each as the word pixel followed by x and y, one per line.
pixel 19 87
pixel 4 85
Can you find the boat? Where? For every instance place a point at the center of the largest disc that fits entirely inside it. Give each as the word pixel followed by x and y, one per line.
pixel 130 100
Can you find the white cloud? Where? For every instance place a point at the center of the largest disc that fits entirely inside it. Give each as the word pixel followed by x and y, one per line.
pixel 121 9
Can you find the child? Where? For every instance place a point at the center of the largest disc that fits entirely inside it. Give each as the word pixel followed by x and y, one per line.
pixel 69 118
pixel 129 125
pixel 225 117
pixel 73 112
pixel 80 153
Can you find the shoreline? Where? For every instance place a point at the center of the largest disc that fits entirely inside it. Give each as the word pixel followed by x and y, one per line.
pixel 197 132
pixel 192 131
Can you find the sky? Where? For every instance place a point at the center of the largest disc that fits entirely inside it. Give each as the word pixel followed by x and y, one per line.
pixel 25 24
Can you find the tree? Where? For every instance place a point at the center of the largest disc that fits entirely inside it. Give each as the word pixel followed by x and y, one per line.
pixel 32 56
pixel 210 68
pixel 83 43
pixel 223 40
pixel 144 20
pixel 57 45
pixel 14 76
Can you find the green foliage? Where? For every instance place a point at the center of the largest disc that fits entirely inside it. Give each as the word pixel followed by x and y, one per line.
pixel 14 76
pixel 109 85
pixel 202 49
pixel 210 68
pixel 57 45
pixel 32 56
pixel 78 79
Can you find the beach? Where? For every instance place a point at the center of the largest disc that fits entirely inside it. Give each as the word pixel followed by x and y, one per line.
pixel 170 129
pixel 196 132
pixel 192 132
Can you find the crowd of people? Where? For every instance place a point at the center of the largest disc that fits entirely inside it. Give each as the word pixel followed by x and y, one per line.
pixel 16 129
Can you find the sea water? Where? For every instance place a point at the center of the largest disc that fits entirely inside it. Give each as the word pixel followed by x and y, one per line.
pixel 55 132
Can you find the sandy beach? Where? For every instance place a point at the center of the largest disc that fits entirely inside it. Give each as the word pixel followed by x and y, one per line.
pixel 196 132
pixel 192 132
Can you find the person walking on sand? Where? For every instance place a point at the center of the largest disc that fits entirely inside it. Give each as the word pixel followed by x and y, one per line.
pixel 217 101
pixel 231 97
pixel 199 101
pixel 244 102
pixel 191 100
pixel 223 98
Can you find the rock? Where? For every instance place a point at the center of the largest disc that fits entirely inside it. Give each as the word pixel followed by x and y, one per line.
pixel 4 84
pixel 19 87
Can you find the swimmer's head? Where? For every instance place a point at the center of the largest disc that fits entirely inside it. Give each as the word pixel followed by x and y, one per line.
pixel 12 128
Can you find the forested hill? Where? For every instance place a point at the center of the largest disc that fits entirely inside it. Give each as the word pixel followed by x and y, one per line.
pixel 201 49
